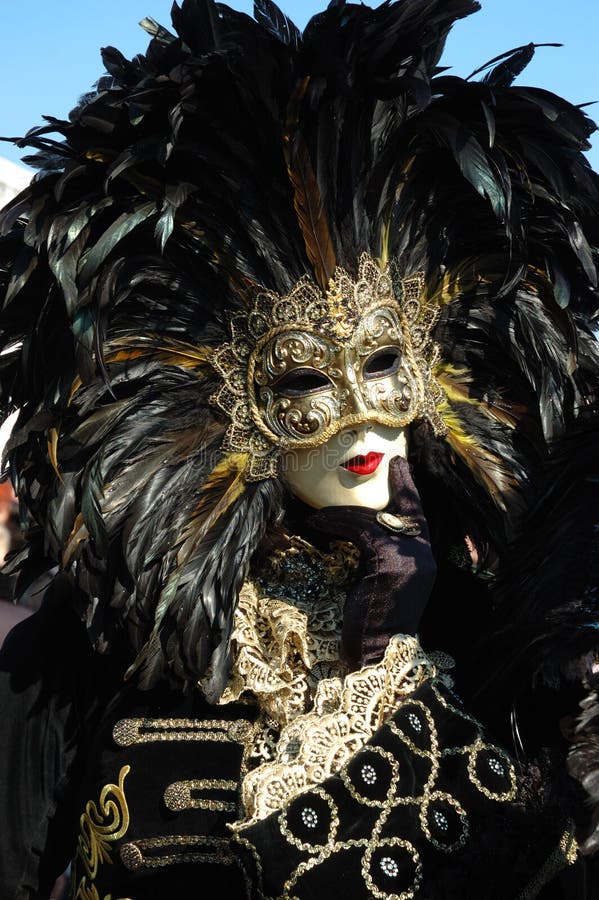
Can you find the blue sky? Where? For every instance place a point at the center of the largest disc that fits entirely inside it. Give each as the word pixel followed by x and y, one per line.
pixel 49 51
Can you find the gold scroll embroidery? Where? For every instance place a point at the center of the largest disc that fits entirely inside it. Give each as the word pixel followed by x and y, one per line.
pixel 100 825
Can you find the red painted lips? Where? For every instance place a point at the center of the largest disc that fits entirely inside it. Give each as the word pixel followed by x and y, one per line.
pixel 364 465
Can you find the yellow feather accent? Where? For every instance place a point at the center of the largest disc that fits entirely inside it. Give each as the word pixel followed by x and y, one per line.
pixel 385 233
pixel 53 450
pixel 464 278
pixel 308 202
pixel 96 156
pixel 454 283
pixel 486 467
pixel 78 534
pixel 122 355
pixel 456 382
pixel 537 281
pixel 76 386
pixel 170 353
pixel 225 484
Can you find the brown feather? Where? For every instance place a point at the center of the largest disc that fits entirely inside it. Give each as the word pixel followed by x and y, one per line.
pixel 224 485
pixel 170 353
pixel 308 203
pixel 456 385
pixel 488 469
pixel 53 450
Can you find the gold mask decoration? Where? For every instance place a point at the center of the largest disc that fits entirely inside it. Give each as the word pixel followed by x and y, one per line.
pixel 299 368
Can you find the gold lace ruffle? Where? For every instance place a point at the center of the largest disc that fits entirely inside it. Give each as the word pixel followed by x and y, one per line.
pixel 286 656
pixel 345 714
pixel 283 647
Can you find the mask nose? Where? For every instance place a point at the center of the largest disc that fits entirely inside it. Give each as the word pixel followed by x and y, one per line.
pixel 350 436
pixel 356 405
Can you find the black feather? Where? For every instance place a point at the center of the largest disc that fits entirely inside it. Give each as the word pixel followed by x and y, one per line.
pixel 270 17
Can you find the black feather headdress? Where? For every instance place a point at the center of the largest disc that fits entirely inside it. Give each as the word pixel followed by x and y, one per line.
pixel 239 154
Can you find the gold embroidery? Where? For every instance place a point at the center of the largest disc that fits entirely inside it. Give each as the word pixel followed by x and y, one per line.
pixel 375 843
pixel 102 824
pixel 127 732
pixel 474 753
pixel 314 719
pixel 369 846
pixel 329 850
pixel 344 716
pixel 333 824
pixel 360 795
pixel 310 819
pixel 496 758
pixel 184 849
pixel 178 796
pixel 569 848
pixel 565 854
pixel 390 844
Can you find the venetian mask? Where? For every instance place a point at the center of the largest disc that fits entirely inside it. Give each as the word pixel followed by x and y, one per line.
pixel 305 367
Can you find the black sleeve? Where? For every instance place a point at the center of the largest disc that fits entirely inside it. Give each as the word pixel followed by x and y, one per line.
pixel 45 669
pixel 428 808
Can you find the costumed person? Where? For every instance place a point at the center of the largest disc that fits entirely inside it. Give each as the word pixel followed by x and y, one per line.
pixel 300 332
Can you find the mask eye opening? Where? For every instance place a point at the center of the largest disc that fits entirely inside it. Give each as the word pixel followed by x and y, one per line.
pixel 382 363
pixel 302 383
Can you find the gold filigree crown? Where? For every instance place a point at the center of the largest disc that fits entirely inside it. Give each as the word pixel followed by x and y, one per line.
pixel 309 327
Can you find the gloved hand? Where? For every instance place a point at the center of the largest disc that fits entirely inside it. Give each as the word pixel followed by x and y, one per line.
pixel 399 568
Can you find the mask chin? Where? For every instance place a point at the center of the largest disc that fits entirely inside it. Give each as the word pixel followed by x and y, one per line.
pixel 350 469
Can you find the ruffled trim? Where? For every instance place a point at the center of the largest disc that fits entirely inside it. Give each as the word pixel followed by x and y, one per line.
pixel 345 714
pixel 286 644
pixel 281 652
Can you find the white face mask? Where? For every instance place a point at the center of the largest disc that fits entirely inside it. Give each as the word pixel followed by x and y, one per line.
pixel 351 469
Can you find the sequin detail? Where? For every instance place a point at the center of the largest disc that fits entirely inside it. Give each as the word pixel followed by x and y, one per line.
pixel 368 775
pixel 415 722
pixel 389 867
pixel 309 817
pixel 496 766
pixel 440 820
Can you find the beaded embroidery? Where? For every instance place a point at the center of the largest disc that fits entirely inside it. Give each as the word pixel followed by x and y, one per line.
pixel 128 732
pixel 152 853
pixel 322 820
pixel 182 795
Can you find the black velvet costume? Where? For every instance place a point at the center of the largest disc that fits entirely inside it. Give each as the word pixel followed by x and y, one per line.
pixel 223 693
